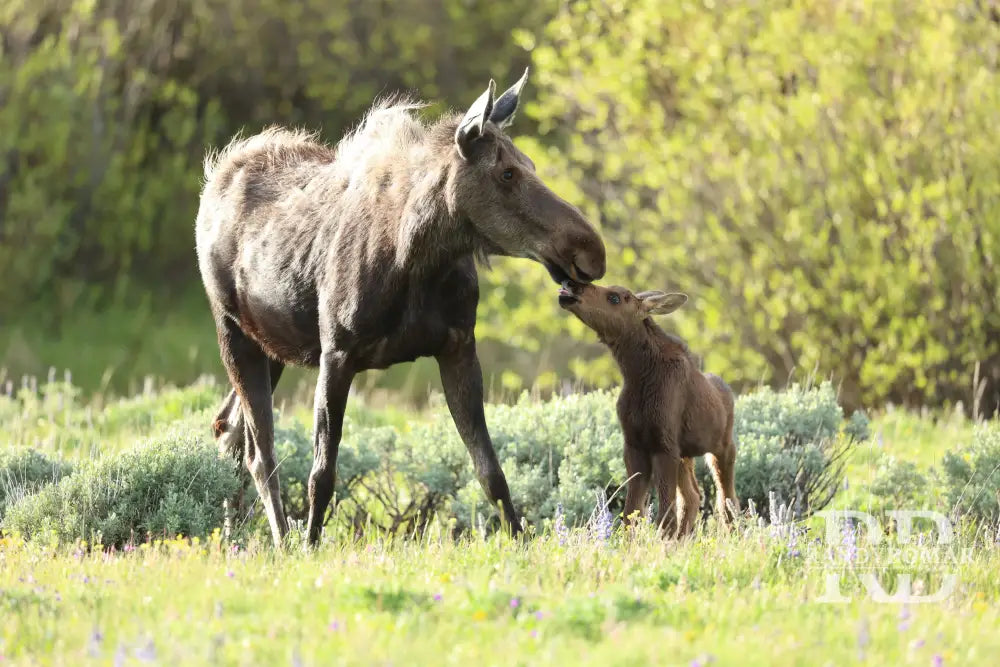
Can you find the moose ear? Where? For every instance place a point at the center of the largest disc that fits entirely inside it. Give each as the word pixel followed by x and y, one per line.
pixel 471 127
pixel 506 105
pixel 660 303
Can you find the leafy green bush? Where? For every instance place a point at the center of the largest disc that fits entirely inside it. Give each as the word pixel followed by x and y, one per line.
pixel 820 177
pixel 105 119
pixel 897 485
pixel 167 485
pixel 971 477
pixel 25 471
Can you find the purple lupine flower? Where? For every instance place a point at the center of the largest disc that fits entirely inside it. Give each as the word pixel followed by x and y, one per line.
pixel 850 543
pixel 562 532
pixel 94 645
pixel 602 520
pixel 334 626
pixel 119 659
pixel 539 615
pixel 937 661
pixel 147 653
pixel 864 637
pixel 438 597
pixel 514 603
pixel 230 574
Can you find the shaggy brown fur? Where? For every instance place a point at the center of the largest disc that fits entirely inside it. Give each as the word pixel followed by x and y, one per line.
pixel 669 410
pixel 363 256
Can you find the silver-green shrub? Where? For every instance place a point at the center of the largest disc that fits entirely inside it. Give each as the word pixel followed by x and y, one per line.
pixel 167 485
pixel 24 471
pixel 970 477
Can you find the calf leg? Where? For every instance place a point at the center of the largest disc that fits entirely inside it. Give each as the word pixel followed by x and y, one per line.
pixel 332 388
pixel 638 470
pixel 249 372
pixel 723 467
pixel 462 380
pixel 688 497
pixel 667 467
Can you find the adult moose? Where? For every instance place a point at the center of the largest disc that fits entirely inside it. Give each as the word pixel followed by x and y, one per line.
pixel 363 256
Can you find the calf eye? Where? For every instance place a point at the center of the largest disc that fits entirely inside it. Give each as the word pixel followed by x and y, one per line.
pixel 507 175
pixel 614 298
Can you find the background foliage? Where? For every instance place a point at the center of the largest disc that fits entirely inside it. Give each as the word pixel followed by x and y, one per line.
pixel 820 177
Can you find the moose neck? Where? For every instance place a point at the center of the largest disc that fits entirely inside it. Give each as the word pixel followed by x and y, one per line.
pixel 641 349
pixel 432 233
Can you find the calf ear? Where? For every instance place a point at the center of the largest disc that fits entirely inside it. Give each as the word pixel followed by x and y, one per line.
pixel 471 127
pixel 506 104
pixel 660 303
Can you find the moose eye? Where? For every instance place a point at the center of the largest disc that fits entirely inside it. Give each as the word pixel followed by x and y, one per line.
pixel 507 175
pixel 614 298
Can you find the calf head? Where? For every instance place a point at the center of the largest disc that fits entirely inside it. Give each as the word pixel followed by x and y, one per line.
pixel 493 185
pixel 613 312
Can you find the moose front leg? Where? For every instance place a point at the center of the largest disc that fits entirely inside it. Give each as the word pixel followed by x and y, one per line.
pixel 462 379
pixel 667 465
pixel 638 470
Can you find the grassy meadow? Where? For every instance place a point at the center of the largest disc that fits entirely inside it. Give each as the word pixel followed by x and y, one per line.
pixel 575 593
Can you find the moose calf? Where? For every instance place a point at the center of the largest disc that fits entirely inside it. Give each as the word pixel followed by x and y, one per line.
pixel 668 409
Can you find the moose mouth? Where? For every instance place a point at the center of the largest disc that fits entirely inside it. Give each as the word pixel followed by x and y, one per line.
pixel 559 274
pixel 567 294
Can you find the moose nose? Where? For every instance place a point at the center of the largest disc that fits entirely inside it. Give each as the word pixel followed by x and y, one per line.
pixel 589 263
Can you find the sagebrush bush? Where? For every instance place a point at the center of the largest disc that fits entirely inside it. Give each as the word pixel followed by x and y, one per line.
pixel 970 477
pixel 25 471
pixel 171 484
pixel 792 443
pixel 566 451
pixel 563 450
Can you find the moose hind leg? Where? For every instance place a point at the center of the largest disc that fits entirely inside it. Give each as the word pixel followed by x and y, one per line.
pixel 250 374
pixel 228 426
pixel 688 498
pixel 723 473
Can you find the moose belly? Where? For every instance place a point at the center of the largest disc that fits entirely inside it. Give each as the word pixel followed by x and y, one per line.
pixel 407 343
pixel 286 331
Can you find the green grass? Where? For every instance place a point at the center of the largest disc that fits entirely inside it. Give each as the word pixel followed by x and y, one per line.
pixel 439 601
pixel 747 598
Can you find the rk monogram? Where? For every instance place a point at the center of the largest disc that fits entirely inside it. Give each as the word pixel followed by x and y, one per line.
pixel 835 522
